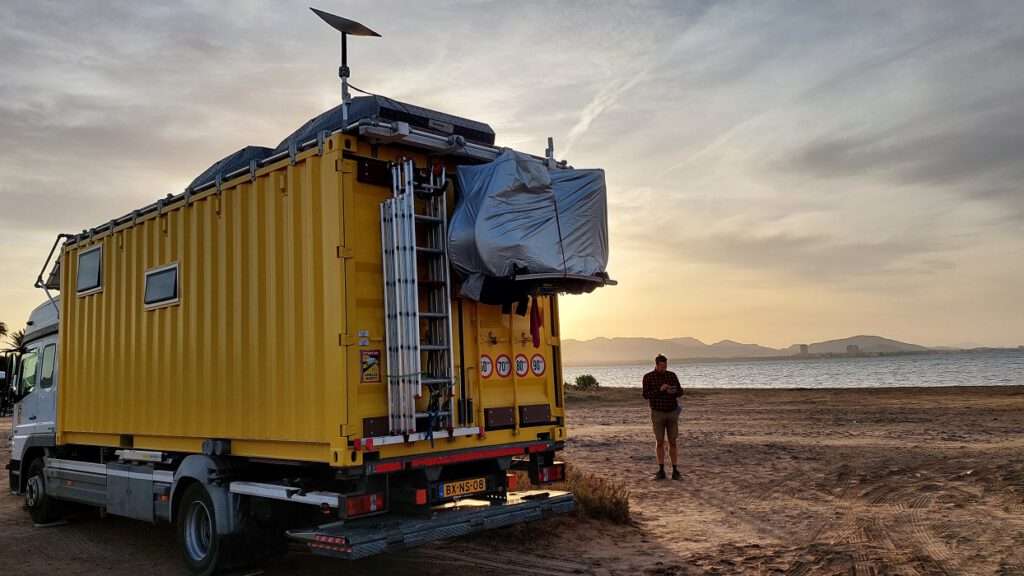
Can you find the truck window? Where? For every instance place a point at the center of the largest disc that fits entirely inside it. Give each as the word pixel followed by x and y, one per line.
pixel 90 267
pixel 27 374
pixel 46 374
pixel 161 286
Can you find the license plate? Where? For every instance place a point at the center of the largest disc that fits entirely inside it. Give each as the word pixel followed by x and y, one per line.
pixel 463 487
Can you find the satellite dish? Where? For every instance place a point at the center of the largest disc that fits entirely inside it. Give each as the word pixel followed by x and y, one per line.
pixel 346 27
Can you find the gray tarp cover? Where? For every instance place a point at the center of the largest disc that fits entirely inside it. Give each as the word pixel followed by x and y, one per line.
pixel 515 216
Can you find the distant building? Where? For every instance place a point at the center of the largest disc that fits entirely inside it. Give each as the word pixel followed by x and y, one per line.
pixel 804 350
pixel 852 350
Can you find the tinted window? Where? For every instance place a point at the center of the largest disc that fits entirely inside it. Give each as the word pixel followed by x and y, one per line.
pixel 90 265
pixel 162 285
pixel 46 375
pixel 27 374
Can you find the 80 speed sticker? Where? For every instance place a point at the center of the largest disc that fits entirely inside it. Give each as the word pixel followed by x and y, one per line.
pixel 522 365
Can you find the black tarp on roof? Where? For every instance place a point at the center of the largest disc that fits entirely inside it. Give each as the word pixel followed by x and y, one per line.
pixel 363 107
pixel 230 163
pixel 385 108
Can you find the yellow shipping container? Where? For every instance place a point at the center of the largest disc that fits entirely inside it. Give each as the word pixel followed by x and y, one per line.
pixel 272 339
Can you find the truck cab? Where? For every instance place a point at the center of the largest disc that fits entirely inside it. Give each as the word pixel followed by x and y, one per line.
pixel 35 410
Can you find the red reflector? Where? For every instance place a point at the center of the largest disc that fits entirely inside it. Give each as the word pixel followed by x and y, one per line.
pixel 368 445
pixel 357 444
pixel 552 473
pixel 421 497
pixel 513 482
pixel 387 467
pixel 365 504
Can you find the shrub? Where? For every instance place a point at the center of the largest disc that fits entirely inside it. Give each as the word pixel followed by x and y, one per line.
pixel 598 497
pixel 587 382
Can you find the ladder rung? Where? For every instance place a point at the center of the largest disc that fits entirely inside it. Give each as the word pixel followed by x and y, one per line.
pixel 428 250
pixel 427 414
pixel 433 315
pixel 429 381
pixel 425 218
pixel 433 347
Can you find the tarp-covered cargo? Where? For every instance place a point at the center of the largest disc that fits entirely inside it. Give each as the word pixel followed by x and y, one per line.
pixel 517 218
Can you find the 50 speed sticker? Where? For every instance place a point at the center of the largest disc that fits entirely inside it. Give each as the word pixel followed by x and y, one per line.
pixel 486 366
pixel 522 365
pixel 504 365
pixel 538 365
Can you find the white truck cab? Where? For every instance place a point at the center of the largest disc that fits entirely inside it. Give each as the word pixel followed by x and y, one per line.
pixel 35 411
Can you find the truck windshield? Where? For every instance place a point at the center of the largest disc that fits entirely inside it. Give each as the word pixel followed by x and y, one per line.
pixel 27 374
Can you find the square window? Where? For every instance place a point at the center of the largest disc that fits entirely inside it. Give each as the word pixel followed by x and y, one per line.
pixel 90 271
pixel 162 286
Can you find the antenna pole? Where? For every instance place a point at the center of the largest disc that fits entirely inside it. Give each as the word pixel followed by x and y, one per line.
pixel 343 73
pixel 346 27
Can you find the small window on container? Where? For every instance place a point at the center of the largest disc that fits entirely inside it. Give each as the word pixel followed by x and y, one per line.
pixel 162 286
pixel 49 356
pixel 90 271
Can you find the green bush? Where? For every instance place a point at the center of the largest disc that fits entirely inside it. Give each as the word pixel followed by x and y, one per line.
pixel 586 382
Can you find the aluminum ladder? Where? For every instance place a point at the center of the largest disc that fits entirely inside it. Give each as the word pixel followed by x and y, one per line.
pixel 417 299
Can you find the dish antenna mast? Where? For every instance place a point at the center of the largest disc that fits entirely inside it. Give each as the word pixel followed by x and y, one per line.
pixel 346 27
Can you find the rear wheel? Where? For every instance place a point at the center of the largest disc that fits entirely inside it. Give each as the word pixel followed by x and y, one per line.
pixel 201 546
pixel 43 508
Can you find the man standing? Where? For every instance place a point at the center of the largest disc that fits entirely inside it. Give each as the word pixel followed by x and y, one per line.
pixel 662 390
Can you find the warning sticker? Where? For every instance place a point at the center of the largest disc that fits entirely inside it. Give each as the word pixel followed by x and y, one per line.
pixel 504 365
pixel 486 366
pixel 522 365
pixel 370 366
pixel 538 365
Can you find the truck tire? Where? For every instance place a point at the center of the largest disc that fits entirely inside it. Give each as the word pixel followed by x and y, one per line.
pixel 205 552
pixel 43 508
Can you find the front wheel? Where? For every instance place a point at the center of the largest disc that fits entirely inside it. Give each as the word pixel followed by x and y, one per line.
pixel 43 508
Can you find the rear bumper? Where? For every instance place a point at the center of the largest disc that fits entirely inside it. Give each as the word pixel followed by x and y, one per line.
pixel 360 538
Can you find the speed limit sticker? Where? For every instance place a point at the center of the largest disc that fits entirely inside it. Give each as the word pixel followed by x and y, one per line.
pixel 486 366
pixel 522 365
pixel 504 365
pixel 538 365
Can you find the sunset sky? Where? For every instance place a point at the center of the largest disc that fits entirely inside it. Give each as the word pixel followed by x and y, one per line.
pixel 778 172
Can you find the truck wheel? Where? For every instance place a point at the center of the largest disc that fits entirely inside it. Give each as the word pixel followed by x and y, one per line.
pixel 41 506
pixel 203 549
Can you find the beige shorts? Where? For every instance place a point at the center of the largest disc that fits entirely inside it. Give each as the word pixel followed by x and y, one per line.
pixel 666 422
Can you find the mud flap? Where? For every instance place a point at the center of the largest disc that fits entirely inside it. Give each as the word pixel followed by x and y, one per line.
pixel 361 538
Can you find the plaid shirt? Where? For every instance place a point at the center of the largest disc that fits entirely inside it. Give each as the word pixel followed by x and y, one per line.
pixel 662 401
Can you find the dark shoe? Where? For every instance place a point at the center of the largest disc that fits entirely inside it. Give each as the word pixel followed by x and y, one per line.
pixel 660 475
pixel 676 475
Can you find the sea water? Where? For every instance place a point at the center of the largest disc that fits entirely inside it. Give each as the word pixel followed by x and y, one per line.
pixel 979 368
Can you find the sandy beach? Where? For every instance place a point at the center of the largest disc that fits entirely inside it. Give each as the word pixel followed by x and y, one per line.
pixel 851 482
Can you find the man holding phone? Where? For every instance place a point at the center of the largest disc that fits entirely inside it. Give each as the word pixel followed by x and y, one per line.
pixel 662 390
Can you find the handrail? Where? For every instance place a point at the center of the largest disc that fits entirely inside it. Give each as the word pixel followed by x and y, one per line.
pixel 40 283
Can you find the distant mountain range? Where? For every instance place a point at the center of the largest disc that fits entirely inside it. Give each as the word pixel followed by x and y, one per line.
pixel 635 350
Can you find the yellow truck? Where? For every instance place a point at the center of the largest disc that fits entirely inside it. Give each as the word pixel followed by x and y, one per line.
pixel 349 341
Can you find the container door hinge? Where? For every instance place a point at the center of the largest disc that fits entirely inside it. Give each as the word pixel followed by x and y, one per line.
pixel 344 252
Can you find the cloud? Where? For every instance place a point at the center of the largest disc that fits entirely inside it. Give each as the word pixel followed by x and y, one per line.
pixel 837 146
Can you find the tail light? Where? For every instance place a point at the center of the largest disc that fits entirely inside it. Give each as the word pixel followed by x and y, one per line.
pixel 364 504
pixel 552 473
pixel 512 482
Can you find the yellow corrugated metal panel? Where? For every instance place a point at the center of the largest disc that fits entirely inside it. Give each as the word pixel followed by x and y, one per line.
pixel 250 351
pixel 280 295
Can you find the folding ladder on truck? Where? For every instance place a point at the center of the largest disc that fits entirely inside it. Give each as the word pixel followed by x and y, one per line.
pixel 417 300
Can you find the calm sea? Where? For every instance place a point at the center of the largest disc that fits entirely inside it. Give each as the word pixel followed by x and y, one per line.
pixel 995 368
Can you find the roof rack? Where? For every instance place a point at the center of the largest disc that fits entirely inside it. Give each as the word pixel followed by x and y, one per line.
pixel 375 130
